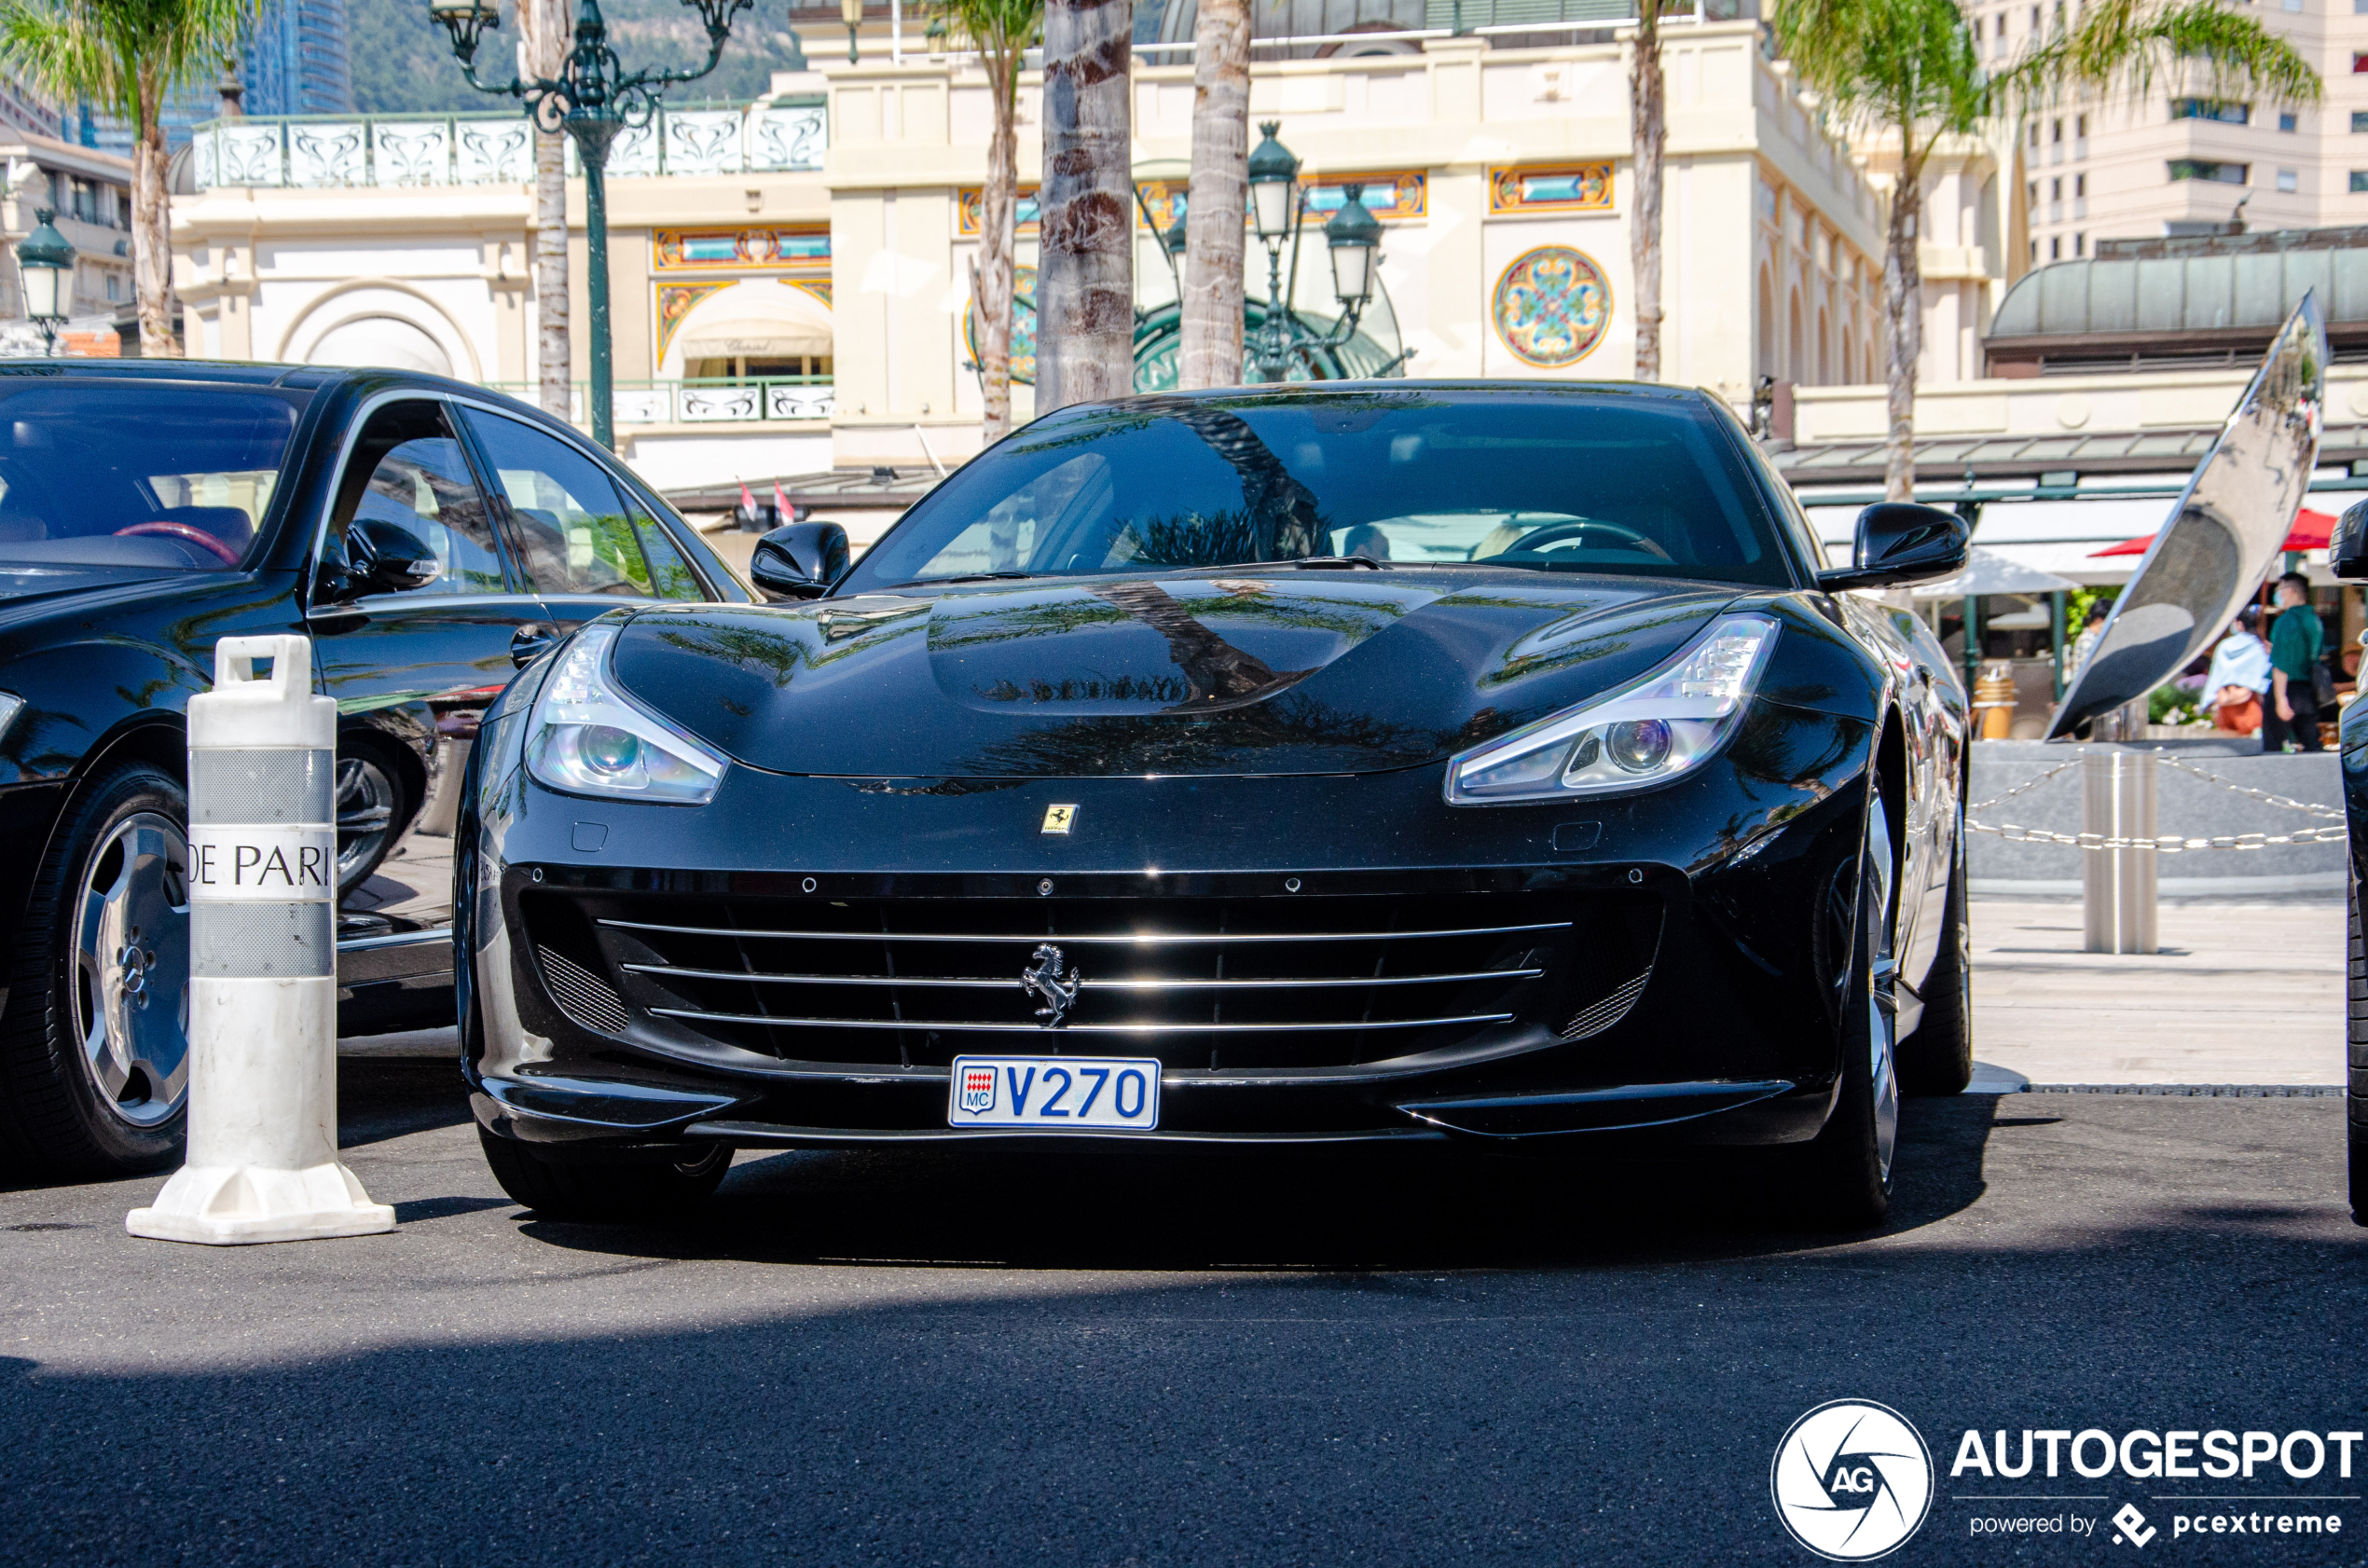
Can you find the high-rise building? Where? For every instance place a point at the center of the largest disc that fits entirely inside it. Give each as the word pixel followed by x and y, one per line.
pixel 297 61
pixel 2181 161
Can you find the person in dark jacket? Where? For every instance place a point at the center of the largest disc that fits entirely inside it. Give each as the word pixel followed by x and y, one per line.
pixel 2295 639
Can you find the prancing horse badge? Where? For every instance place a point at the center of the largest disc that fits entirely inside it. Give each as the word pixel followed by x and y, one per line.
pixel 1058 818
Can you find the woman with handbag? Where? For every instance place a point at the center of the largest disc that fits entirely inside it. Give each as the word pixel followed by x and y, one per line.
pixel 2295 673
pixel 2240 674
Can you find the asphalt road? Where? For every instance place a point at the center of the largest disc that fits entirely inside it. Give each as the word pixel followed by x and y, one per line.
pixel 1409 1357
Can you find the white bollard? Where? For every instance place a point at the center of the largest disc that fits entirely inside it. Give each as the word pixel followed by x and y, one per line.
pixel 263 998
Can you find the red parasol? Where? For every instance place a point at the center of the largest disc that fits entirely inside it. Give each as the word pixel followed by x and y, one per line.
pixel 2310 532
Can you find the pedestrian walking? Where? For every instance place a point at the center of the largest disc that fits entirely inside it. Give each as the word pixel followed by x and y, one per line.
pixel 2295 638
pixel 2085 643
pixel 2239 676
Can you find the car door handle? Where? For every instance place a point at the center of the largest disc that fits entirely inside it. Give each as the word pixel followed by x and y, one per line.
pixel 530 642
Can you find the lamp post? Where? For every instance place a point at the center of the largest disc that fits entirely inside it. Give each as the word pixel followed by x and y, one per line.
pixel 1278 210
pixel 45 267
pixel 592 100
pixel 851 13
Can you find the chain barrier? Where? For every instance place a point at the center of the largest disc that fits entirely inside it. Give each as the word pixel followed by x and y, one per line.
pixel 2169 844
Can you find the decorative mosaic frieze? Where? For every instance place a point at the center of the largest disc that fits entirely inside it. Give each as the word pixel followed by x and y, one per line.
pixel 1563 187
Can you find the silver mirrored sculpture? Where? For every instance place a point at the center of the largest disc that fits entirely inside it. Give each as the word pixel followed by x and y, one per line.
pixel 2224 534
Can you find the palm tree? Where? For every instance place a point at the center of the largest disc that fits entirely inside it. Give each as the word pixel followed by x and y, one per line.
pixel 1911 69
pixel 546 26
pixel 125 56
pixel 1210 354
pixel 1085 274
pixel 1002 31
pixel 1648 129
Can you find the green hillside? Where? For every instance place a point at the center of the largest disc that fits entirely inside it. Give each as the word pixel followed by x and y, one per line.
pixel 403 62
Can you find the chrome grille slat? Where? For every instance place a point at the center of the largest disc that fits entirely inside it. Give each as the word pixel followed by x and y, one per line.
pixel 1042 1033
pixel 1005 983
pixel 1140 938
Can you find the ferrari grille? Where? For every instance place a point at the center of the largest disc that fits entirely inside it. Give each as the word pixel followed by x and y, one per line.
pixel 1214 985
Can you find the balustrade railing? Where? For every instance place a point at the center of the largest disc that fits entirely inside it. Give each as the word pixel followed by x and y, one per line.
pixel 703 402
pixel 376 150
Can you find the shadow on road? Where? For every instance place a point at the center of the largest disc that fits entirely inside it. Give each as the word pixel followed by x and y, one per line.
pixel 1383 1207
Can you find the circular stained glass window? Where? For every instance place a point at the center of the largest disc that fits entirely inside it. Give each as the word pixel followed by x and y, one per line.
pixel 1552 306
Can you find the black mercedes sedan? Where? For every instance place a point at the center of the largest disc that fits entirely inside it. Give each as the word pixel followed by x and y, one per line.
pixel 425 535
pixel 1394 760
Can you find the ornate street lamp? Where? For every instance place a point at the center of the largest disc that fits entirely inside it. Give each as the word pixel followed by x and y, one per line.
pixel 45 267
pixel 1278 210
pixel 851 13
pixel 592 100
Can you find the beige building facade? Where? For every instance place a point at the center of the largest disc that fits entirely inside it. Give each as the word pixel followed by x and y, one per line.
pixel 2179 161
pixel 791 279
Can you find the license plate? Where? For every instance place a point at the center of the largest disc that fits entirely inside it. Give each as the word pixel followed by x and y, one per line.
pixel 1056 1094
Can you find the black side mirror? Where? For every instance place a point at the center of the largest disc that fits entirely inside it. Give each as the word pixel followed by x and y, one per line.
pixel 1900 542
pixel 382 559
pixel 2347 546
pixel 799 560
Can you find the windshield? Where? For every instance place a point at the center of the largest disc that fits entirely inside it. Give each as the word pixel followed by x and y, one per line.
pixel 127 474
pixel 1594 480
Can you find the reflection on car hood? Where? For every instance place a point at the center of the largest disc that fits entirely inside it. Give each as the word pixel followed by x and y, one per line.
pixel 1267 672
pixel 21 582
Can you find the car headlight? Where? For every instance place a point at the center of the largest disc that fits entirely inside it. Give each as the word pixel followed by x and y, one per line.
pixel 1643 736
pixel 589 739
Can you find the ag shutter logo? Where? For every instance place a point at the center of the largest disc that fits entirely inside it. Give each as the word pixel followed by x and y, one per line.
pixel 1852 1481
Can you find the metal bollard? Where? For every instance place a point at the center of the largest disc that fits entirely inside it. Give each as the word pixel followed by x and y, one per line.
pixel 263 999
pixel 2117 886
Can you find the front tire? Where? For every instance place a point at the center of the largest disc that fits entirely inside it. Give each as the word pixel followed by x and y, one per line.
pixel 1938 1058
pixel 94 1048
pixel 1841 1180
pixel 603 1191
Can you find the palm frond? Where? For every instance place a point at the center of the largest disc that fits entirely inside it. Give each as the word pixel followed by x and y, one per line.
pixel 2134 46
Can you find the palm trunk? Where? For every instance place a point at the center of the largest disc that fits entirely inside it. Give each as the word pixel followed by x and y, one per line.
pixel 1210 354
pixel 151 226
pixel 1085 279
pixel 1648 124
pixel 555 365
pixel 992 282
pixel 1904 309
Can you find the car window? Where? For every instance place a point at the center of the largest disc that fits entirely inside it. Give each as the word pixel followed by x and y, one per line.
pixel 176 477
pixel 407 472
pixel 1592 480
pixel 573 532
pixel 670 575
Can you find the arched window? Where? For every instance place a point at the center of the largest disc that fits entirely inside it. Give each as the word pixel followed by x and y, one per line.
pixel 1825 352
pixel 1794 359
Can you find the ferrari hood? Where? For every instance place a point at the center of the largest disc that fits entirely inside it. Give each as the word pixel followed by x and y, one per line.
pixel 1267 672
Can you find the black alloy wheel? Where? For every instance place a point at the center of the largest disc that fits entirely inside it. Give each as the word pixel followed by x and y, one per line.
pixel 94 1047
pixel 1841 1179
pixel 603 1189
pixel 370 807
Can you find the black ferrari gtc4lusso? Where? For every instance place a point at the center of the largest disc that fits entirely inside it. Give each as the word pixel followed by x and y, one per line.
pixel 1347 762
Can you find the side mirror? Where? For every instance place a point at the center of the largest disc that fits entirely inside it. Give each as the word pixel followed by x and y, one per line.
pixel 799 560
pixel 2347 546
pixel 1900 542
pixel 381 559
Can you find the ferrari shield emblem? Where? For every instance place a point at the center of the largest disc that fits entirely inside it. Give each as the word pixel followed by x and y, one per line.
pixel 1058 818
pixel 978 1090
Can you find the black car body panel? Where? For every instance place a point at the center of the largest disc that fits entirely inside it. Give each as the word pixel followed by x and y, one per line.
pixel 106 658
pixel 1257 753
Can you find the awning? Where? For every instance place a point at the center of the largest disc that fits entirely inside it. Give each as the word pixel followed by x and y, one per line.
pixel 1987 572
pixel 2310 532
pixel 756 339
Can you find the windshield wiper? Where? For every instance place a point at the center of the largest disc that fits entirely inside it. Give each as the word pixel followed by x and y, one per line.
pixel 1335 563
pixel 966 577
